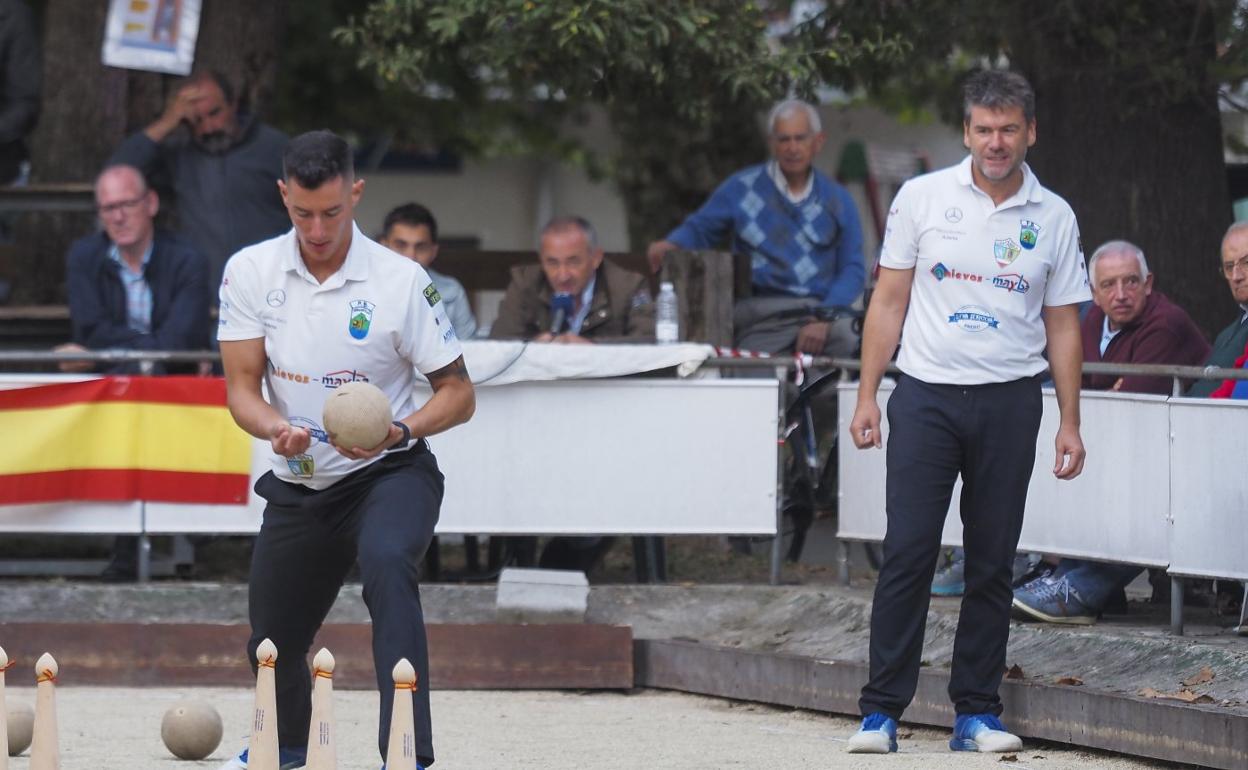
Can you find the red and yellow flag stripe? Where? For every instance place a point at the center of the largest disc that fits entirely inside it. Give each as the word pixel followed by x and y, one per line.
pixel 122 438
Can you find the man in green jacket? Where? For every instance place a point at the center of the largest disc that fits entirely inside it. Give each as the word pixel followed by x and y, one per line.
pixel 1232 340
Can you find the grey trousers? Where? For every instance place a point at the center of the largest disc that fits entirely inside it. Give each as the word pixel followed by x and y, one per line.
pixel 770 324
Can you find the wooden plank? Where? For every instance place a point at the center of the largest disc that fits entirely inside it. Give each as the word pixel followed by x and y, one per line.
pixel 1207 736
pixel 462 656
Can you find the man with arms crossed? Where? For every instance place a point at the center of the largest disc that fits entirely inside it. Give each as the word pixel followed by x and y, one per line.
pixel 304 313
pixel 981 269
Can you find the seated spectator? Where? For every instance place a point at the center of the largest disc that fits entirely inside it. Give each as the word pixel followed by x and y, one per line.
pixel 604 302
pixel 801 232
pixel 573 296
pixel 222 164
pixel 412 231
pixel 135 288
pixel 1130 324
pixel 1229 348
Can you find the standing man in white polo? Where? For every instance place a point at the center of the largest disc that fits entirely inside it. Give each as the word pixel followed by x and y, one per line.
pixel 304 313
pixel 981 270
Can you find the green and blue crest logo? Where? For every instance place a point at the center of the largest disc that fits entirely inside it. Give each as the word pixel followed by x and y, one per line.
pixel 1028 233
pixel 361 318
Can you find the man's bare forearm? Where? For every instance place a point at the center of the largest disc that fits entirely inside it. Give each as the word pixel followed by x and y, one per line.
pixel 252 413
pixel 1065 359
pixel 882 330
pixel 453 402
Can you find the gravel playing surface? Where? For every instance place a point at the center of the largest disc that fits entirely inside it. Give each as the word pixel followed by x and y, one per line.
pixel 105 728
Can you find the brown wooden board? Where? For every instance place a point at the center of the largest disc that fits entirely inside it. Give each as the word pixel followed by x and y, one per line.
pixel 462 656
pixel 1203 735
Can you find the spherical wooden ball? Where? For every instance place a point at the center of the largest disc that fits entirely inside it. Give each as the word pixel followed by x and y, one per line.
pixel 357 414
pixel 191 729
pixel 21 727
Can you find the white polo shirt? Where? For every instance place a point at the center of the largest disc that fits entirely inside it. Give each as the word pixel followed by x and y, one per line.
pixel 982 273
pixel 374 320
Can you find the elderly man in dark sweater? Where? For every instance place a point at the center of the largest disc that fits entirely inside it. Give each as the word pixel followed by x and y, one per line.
pixel 1131 324
pixel 223 166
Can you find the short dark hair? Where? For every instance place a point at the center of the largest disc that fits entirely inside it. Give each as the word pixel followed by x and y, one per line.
pixel 998 89
pixel 216 76
pixel 316 157
pixel 413 215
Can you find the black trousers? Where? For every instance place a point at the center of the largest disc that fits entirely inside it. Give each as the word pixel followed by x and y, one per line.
pixel 986 433
pixel 383 515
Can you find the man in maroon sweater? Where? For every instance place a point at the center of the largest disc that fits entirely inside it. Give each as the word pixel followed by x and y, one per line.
pixel 1130 324
pixel 1134 324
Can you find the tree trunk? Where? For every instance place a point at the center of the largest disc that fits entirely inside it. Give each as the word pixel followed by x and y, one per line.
pixel 1138 164
pixel 89 108
pixel 660 178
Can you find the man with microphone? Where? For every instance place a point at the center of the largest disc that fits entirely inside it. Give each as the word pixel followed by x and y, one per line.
pixel 573 295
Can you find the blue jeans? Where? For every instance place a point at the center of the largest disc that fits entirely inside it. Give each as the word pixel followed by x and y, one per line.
pixel 1096 581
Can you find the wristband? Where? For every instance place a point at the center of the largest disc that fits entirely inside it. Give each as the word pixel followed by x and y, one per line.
pixel 407 434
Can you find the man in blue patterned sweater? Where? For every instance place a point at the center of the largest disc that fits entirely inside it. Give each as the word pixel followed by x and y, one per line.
pixel 801 231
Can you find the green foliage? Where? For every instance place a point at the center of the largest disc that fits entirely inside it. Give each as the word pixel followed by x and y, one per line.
pixel 682 82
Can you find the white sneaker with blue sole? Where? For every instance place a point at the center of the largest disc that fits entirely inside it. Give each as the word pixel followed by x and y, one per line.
pixel 982 732
pixel 878 735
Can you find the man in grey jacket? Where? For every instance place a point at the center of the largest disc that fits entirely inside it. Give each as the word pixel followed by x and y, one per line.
pixel 223 167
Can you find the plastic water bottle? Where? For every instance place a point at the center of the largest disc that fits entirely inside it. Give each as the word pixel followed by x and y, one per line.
pixel 666 315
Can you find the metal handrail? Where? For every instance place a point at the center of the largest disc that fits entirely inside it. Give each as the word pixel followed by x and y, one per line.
pixel 722 362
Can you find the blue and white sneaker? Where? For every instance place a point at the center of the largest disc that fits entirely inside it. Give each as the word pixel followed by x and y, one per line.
pixel 878 735
pixel 982 732
pixel 950 580
pixel 288 759
pixel 1054 600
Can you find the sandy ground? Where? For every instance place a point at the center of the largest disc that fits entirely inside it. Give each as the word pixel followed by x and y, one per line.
pixel 107 728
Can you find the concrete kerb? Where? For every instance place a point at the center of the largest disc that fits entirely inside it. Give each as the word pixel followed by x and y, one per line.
pixel 805 646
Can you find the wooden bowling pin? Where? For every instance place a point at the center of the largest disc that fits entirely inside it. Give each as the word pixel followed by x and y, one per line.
pixel 322 754
pixel 45 752
pixel 5 665
pixel 262 749
pixel 401 750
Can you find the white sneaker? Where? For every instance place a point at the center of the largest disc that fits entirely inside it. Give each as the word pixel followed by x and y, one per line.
pixel 982 732
pixel 878 735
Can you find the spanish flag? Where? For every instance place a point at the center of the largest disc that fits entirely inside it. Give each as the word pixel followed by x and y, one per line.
pixel 165 439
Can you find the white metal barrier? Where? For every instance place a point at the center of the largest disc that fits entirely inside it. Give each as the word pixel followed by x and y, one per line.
pixel 619 456
pixel 1163 485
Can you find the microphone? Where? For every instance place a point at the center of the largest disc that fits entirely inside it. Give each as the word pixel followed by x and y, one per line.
pixel 561 306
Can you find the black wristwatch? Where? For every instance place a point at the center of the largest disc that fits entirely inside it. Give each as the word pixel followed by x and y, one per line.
pixel 407 435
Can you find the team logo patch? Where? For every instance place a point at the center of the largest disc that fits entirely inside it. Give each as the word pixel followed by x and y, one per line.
pixel 941 272
pixel 362 317
pixel 431 295
pixel 1014 283
pixel 301 466
pixel 316 432
pixel 276 298
pixel 1028 233
pixel 1005 251
pixel 973 318
pixel 953 215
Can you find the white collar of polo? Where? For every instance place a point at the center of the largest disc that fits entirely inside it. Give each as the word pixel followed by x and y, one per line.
pixel 1029 192
pixel 355 268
